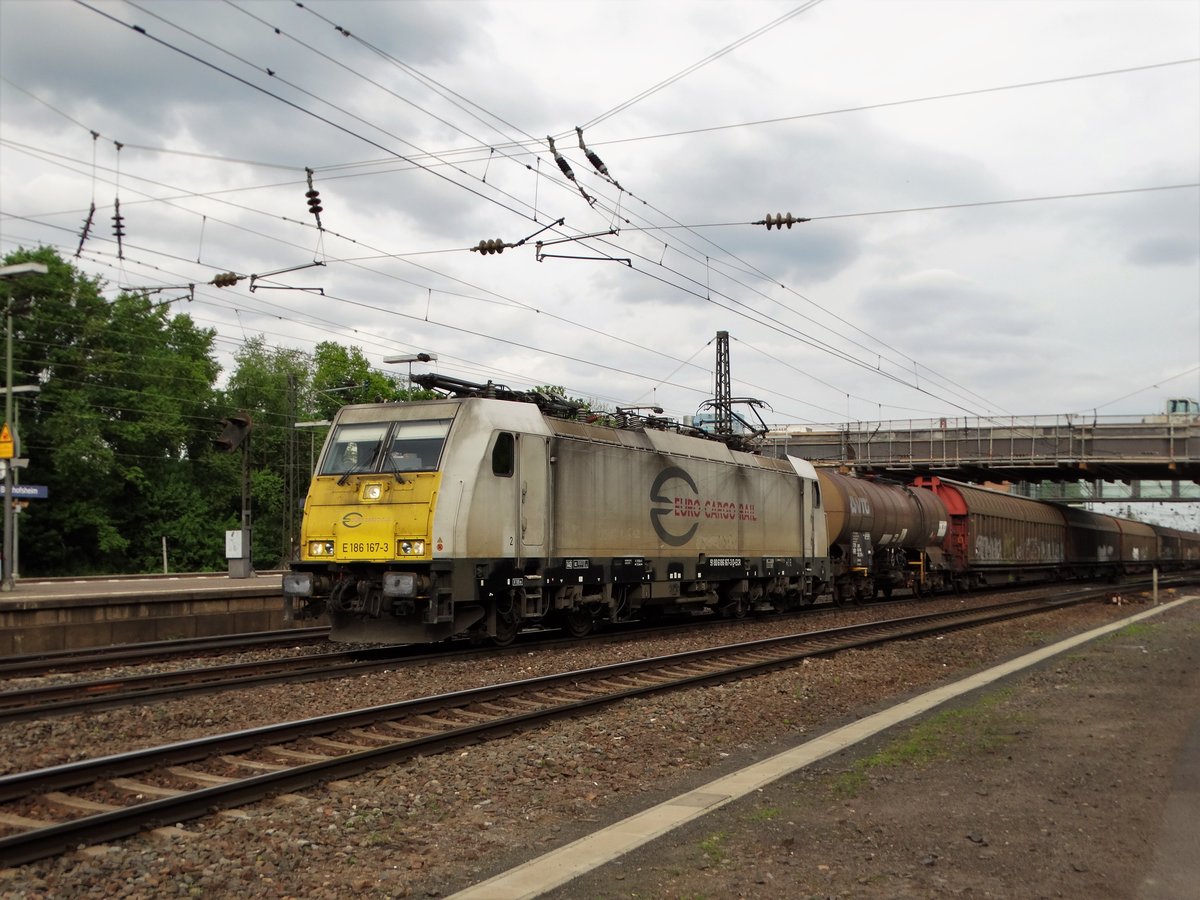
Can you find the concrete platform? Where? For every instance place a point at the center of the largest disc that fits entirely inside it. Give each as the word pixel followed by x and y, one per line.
pixel 66 614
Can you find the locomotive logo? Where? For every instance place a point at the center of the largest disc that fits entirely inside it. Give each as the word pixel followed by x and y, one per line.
pixel 667 506
pixel 352 519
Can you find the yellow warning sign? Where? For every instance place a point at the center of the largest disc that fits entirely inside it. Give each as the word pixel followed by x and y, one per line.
pixel 6 443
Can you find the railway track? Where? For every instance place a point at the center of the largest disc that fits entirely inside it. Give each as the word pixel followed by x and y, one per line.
pixel 56 809
pixel 40 701
pixel 32 665
pixel 77 696
pixel 32 702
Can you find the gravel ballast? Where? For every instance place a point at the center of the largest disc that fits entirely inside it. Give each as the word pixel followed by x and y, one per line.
pixel 433 825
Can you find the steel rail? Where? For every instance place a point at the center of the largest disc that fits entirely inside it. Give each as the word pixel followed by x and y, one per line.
pixel 33 664
pixel 552 696
pixel 108 693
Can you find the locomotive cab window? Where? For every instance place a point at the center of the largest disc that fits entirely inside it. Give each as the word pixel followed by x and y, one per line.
pixel 503 455
pixel 352 448
pixel 385 447
pixel 415 446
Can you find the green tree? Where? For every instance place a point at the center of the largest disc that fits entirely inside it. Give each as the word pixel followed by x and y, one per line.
pixel 342 376
pixel 270 384
pixel 125 406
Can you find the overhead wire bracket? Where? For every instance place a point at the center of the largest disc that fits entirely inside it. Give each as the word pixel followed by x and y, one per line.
pixel 540 244
pixel 488 246
pixel 255 286
pixel 137 289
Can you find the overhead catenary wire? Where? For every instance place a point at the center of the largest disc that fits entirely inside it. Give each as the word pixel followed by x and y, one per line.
pixel 933 395
pixel 585 194
pixel 728 48
pixel 1023 198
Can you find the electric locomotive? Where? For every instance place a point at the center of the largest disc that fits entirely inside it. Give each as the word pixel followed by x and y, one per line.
pixel 489 511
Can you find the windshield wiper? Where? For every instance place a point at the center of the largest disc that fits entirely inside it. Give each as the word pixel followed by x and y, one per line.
pixel 358 469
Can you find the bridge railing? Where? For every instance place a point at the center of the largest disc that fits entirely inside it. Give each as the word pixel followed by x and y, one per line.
pixel 1011 441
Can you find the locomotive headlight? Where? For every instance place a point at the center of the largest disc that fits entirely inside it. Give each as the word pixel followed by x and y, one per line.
pixel 412 548
pixel 320 548
pixel 372 491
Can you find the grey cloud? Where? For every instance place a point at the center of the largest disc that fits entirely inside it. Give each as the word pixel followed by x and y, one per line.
pixel 1164 251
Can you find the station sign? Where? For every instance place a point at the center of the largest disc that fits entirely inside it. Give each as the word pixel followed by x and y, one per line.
pixel 27 491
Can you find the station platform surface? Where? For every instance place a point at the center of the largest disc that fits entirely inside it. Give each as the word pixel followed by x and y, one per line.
pixel 34 590
pixel 57 614
pixel 1096 794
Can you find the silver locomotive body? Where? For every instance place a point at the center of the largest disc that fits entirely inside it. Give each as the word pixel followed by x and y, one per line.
pixel 510 518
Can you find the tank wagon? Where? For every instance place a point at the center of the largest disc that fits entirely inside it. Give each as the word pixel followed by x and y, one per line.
pixel 486 514
pixel 882 536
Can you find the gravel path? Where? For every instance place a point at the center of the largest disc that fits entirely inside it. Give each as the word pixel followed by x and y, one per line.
pixel 430 826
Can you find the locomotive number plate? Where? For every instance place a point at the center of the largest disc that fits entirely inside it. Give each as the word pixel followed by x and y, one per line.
pixel 375 548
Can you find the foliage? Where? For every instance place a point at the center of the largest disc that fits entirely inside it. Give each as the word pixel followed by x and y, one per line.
pixel 342 376
pixel 125 404
pixel 121 431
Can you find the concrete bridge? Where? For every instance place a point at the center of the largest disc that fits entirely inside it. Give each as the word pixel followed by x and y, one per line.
pixel 1020 448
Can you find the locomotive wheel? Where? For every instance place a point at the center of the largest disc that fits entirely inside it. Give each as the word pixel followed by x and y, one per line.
pixel 578 622
pixel 736 609
pixel 508 622
pixel 507 627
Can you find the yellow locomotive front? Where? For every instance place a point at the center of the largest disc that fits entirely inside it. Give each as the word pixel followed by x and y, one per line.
pixel 366 542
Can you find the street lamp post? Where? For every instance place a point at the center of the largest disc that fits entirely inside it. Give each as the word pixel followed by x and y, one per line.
pixel 6 273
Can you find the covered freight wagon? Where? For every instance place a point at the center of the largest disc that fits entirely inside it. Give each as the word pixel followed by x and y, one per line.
pixel 995 537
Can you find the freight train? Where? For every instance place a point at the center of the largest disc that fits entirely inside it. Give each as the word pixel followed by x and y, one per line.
pixel 489 511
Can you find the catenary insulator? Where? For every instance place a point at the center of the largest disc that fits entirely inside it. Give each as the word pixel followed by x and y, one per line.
pixel 490 246
pixel 779 220
pixel 224 279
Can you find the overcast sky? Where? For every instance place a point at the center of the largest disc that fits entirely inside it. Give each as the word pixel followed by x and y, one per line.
pixel 1005 217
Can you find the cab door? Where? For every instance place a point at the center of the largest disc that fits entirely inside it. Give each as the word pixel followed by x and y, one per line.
pixel 533 507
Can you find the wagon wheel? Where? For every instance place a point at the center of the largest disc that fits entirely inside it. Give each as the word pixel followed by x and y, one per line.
pixel 578 622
